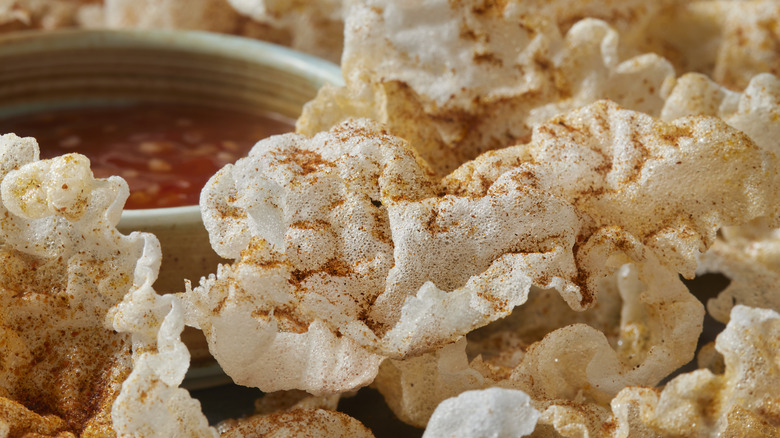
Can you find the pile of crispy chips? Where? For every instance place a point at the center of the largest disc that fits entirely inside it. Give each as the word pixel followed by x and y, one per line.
pixel 488 223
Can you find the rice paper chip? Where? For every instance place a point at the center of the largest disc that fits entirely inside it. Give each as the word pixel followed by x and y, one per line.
pixel 753 111
pixel 647 328
pixel 311 27
pixel 325 240
pixel 305 221
pixel 623 168
pixel 611 161
pixel 66 274
pixel 688 34
pixel 403 266
pixel 750 42
pixel 489 412
pixel 207 15
pixel 414 387
pixel 746 254
pixel 483 81
pixel 151 402
pixel 728 41
pixel 740 402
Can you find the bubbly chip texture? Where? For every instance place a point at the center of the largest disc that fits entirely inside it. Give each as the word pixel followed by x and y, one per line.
pixel 490 412
pixel 318 231
pixel 76 296
pixel 63 268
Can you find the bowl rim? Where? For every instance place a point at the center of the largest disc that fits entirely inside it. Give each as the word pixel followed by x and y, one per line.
pixel 311 68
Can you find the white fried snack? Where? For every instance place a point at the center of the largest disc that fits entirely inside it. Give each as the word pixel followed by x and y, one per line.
pixel 490 412
pixel 605 161
pixel 314 27
pixel 748 254
pixel 76 299
pixel 728 41
pixel 344 241
pixel 743 401
pixel 456 79
pixel 465 224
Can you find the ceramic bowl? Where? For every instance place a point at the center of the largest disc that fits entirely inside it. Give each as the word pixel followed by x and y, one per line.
pixel 53 70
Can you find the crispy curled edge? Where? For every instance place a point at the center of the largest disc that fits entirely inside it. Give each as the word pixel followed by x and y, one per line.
pixel 151 403
pixel 289 295
pixel 658 324
pixel 746 254
pixel 617 222
pixel 86 278
pixel 440 100
pixel 742 401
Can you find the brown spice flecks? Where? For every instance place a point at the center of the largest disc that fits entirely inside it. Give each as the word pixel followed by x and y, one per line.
pixel 488 58
pixel 588 297
pixel 334 267
pixel 317 224
pixel 308 161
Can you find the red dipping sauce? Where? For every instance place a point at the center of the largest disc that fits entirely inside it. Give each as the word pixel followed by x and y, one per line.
pixel 165 152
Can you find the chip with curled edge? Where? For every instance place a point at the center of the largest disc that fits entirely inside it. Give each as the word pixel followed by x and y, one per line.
pixel 746 254
pixel 208 15
pixel 743 401
pixel 645 326
pixel 455 81
pixel 76 299
pixel 311 26
pixel 346 242
pixel 623 168
pixel 341 238
pixel 749 42
pixel 742 398
pixel 728 41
